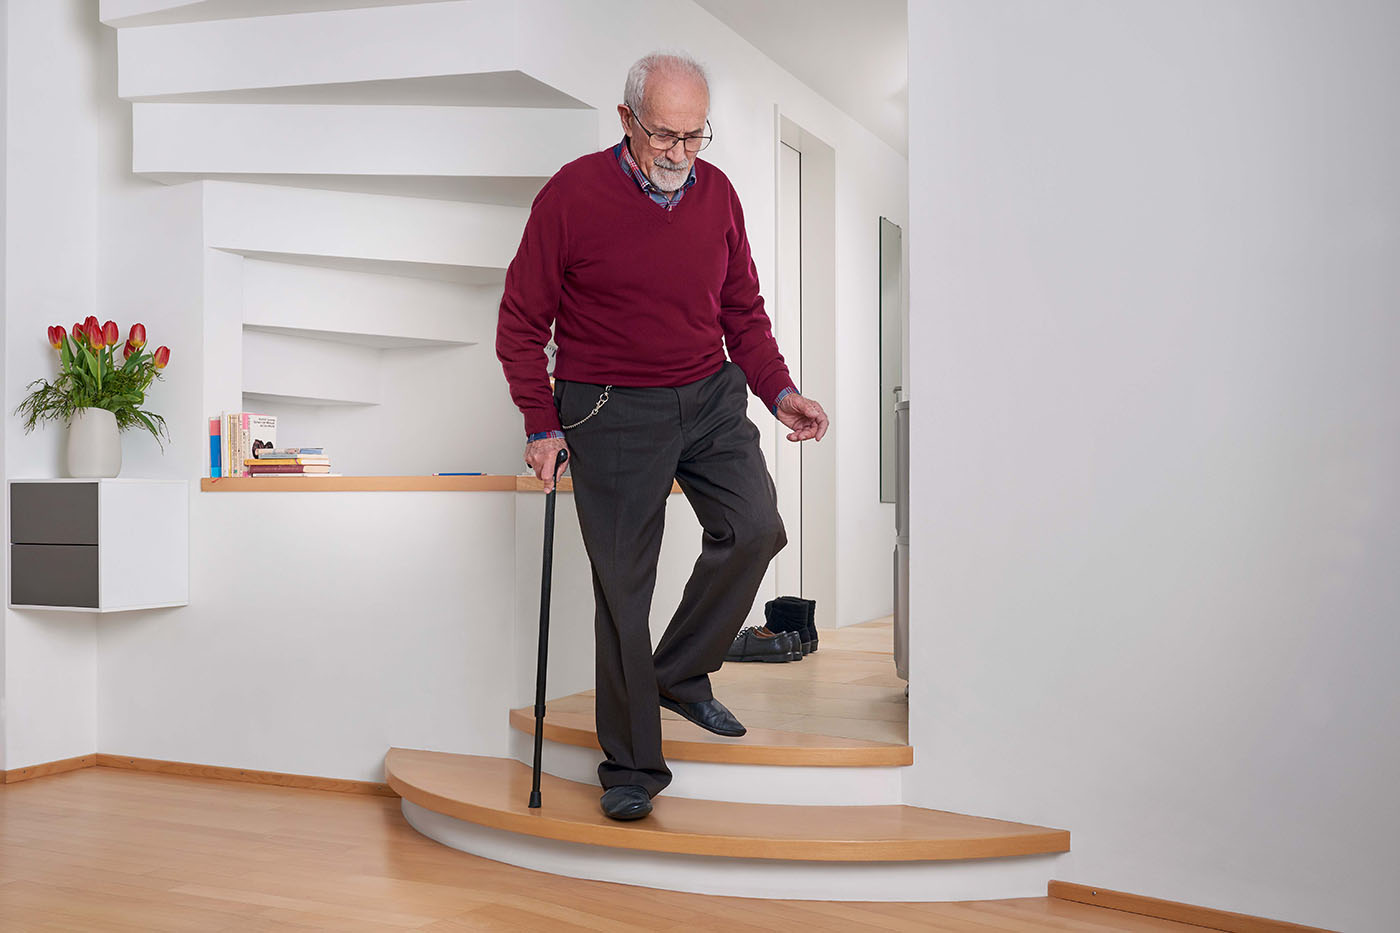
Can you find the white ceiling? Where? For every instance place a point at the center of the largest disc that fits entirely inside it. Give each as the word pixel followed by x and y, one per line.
pixel 852 52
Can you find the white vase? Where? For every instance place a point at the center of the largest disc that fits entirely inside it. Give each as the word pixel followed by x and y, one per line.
pixel 94 444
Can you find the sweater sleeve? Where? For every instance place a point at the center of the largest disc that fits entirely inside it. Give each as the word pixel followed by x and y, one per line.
pixel 748 334
pixel 528 307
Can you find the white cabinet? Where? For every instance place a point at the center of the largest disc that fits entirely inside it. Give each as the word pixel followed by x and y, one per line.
pixel 98 545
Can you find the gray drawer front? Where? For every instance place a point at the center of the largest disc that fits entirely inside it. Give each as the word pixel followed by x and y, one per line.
pixel 53 575
pixel 53 513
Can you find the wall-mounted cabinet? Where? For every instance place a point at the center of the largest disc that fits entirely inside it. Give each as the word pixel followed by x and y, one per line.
pixel 98 545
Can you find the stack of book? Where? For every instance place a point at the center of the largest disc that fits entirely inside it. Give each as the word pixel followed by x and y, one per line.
pixel 289 461
pixel 244 443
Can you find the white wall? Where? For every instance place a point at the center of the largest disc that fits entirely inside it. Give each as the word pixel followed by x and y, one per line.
pixel 4 305
pixel 52 89
pixel 1155 515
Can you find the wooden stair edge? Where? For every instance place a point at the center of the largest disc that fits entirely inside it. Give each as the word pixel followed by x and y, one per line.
pixel 493 792
pixel 870 754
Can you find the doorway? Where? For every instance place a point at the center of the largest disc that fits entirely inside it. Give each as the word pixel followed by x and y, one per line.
pixel 787 328
pixel 804 324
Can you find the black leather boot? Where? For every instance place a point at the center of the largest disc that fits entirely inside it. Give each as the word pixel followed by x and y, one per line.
pixel 793 614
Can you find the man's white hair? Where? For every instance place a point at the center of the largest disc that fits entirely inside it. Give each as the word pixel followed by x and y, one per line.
pixel 634 92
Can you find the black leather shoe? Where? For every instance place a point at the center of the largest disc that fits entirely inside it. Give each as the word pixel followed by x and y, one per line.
pixel 626 802
pixel 794 640
pixel 707 714
pixel 759 644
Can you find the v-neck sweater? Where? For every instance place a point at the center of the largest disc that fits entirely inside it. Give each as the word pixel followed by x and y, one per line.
pixel 638 295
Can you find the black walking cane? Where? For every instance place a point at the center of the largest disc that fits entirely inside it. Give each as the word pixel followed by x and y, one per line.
pixel 546 573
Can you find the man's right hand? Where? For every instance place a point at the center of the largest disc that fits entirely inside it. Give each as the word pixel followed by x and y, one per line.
pixel 540 456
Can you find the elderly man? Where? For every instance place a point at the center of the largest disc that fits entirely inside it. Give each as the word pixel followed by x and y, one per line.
pixel 638 257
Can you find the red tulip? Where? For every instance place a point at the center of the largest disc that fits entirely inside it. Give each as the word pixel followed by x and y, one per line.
pixel 55 338
pixel 78 333
pixel 92 320
pixel 162 357
pixel 94 333
pixel 111 334
pixel 138 336
pixel 127 351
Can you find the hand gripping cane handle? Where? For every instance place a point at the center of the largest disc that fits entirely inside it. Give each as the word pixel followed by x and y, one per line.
pixel 546 574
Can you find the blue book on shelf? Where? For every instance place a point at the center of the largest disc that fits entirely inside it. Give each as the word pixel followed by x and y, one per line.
pixel 215 447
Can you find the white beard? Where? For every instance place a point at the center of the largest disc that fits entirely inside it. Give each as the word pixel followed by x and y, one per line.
pixel 666 177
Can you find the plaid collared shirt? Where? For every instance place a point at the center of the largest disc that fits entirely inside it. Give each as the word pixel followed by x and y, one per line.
pixel 630 167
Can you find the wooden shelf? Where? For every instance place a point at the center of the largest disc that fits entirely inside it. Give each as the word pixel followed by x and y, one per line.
pixel 495 482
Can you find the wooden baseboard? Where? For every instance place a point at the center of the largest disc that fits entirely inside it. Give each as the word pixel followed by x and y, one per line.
pixel 1173 910
pixel 244 774
pixel 48 767
pixel 127 763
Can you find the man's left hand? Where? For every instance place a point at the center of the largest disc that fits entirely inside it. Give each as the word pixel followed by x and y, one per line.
pixel 805 416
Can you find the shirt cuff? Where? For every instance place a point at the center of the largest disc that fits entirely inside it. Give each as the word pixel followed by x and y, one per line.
pixel 781 396
pixel 542 435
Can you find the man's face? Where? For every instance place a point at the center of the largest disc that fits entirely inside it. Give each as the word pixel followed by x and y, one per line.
pixel 675 104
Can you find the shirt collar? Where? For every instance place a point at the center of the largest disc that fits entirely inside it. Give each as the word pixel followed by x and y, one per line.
pixel 630 166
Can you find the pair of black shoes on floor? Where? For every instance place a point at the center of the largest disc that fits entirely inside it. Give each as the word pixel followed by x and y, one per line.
pixel 759 643
pixel 790 632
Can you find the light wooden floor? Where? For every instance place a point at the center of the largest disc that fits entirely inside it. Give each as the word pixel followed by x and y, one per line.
pixel 848 689
pixel 106 849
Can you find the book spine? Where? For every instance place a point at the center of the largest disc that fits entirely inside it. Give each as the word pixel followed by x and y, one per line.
pixel 244 444
pixel 228 444
pixel 277 452
pixel 264 461
pixel 283 468
pixel 214 435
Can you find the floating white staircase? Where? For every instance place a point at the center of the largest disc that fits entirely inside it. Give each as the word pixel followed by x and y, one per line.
pixel 371 164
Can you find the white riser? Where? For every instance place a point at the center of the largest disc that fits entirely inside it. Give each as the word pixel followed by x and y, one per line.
pixel 736 782
pixel 955 880
pixel 360 226
pixel 359 140
pixel 376 310
pixel 465 37
pixel 278 364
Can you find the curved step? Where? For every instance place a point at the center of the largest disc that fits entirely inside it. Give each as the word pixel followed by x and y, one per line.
pixel 683 741
pixel 493 792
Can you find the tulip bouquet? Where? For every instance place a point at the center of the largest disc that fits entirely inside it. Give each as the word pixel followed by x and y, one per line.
pixel 91 376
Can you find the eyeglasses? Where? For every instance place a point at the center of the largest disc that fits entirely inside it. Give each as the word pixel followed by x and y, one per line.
pixel 664 141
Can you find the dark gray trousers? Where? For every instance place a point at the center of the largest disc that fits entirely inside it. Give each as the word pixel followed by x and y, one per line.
pixel 623 460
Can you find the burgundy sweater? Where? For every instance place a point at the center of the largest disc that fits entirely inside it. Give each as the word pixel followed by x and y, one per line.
pixel 638 295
